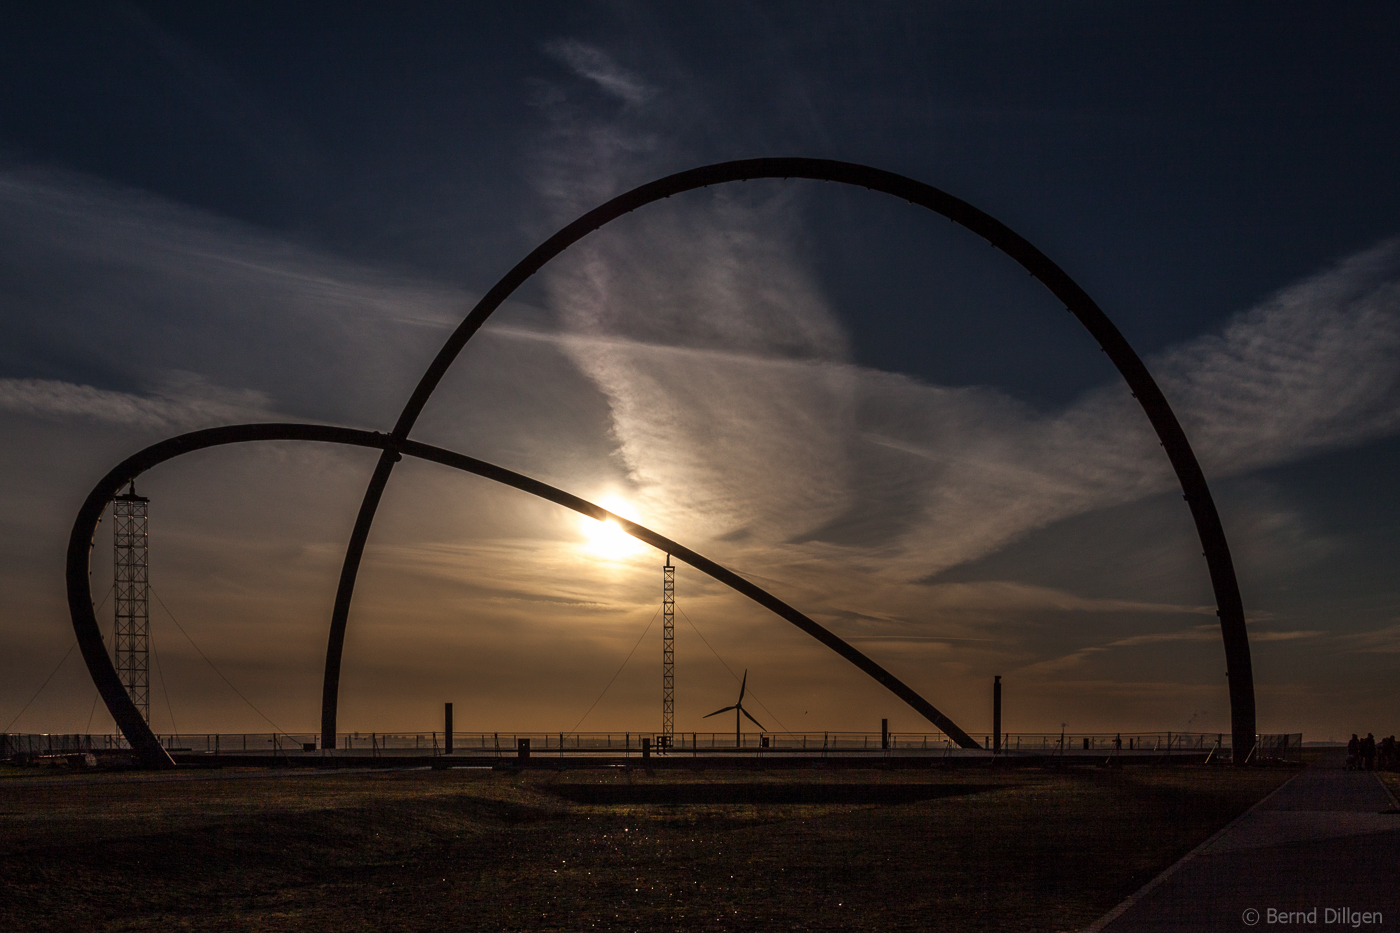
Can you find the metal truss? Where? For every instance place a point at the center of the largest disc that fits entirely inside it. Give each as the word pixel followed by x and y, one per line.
pixel 131 578
pixel 668 654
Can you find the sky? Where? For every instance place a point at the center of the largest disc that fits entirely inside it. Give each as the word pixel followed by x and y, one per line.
pixel 222 213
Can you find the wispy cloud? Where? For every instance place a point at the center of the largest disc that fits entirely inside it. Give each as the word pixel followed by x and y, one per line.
pixel 733 437
pixel 759 428
pixel 106 285
pixel 1199 633
pixel 592 63
pixel 1315 367
pixel 743 426
pixel 1380 641
pixel 185 403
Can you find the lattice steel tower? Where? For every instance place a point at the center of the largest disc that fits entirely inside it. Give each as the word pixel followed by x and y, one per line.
pixel 668 653
pixel 132 581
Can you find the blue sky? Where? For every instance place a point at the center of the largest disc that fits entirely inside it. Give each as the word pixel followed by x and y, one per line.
pixel 247 212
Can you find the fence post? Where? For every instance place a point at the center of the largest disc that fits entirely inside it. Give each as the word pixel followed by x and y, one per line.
pixel 996 715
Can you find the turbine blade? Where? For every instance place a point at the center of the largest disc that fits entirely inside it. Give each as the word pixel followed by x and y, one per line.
pixel 718 711
pixel 742 684
pixel 752 720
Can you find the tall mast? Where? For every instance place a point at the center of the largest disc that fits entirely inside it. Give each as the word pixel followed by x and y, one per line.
pixel 668 653
pixel 131 579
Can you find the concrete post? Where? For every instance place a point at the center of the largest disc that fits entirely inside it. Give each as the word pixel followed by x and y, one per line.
pixel 447 728
pixel 884 733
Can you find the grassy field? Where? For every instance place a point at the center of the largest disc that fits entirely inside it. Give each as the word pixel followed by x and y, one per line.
pixel 968 849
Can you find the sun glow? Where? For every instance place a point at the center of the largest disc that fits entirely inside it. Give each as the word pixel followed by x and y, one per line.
pixel 607 539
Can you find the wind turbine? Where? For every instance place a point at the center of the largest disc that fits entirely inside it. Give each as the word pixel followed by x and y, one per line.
pixel 738 708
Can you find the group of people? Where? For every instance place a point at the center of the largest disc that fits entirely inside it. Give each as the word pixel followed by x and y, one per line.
pixel 1366 753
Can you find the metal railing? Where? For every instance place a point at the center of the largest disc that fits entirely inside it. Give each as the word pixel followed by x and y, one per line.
pixel 1276 746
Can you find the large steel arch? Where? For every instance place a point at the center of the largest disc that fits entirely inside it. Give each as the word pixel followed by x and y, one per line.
pixel 138 732
pixel 1229 606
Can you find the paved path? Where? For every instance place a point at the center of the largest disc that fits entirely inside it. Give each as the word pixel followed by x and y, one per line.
pixel 1321 842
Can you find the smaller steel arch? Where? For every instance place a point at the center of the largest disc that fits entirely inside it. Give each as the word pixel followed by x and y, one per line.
pixel 138 732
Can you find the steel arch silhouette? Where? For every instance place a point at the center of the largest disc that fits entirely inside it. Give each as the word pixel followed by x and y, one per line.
pixel 1215 548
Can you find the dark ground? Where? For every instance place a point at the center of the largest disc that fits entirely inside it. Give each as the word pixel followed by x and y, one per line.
pixel 968 849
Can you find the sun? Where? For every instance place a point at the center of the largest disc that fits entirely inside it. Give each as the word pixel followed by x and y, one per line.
pixel 607 539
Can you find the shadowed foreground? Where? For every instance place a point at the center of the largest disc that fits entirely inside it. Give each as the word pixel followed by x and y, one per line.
pixel 974 849
pixel 1322 852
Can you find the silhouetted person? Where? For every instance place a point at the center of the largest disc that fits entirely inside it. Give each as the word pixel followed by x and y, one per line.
pixel 1368 751
pixel 1353 752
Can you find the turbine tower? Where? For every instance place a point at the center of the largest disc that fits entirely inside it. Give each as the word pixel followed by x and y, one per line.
pixel 130 568
pixel 668 654
pixel 738 708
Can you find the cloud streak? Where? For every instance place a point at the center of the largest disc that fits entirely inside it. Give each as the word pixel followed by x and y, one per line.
pixel 1316 367
pixel 740 419
pixel 593 64
pixel 186 404
pixel 1380 641
pixel 107 287
pixel 735 418
pixel 1200 633
pixel 746 412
